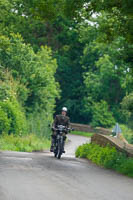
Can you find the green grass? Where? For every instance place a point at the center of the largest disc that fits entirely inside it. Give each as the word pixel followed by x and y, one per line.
pixel 82 133
pixel 23 143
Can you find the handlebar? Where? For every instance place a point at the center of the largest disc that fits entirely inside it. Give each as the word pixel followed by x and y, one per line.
pixel 63 129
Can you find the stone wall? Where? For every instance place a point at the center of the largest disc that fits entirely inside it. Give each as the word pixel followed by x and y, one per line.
pixel 102 137
pixel 87 128
pixel 120 145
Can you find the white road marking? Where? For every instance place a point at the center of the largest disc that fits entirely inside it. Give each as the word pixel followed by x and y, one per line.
pixel 16 158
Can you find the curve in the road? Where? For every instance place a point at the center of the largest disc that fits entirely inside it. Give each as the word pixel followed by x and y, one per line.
pixel 40 176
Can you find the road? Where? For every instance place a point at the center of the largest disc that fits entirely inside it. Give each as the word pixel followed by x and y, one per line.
pixel 40 176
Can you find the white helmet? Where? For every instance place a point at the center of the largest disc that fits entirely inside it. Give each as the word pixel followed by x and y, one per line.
pixel 64 109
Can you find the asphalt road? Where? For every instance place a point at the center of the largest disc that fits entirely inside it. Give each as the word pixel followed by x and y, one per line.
pixel 40 176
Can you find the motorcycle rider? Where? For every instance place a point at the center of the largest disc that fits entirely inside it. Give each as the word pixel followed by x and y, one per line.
pixel 61 119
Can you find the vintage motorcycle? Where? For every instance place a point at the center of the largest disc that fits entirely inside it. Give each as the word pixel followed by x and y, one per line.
pixel 59 141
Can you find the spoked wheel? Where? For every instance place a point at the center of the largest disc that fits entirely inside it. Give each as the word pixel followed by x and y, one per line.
pixel 59 154
pixel 55 150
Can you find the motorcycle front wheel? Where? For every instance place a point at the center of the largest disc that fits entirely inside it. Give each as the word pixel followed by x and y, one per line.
pixel 55 154
pixel 60 148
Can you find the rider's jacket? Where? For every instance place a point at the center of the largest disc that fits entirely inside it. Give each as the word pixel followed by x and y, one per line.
pixel 61 120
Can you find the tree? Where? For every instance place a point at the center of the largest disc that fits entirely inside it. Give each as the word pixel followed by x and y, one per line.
pixel 105 70
pixel 92 43
pixel 101 116
pixel 37 88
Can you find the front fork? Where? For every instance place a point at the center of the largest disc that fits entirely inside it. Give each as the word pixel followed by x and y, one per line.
pixel 60 142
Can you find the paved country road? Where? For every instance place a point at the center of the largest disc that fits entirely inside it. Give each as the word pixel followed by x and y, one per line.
pixel 39 176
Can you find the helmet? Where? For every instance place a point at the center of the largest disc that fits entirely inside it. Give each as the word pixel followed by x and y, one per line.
pixel 64 109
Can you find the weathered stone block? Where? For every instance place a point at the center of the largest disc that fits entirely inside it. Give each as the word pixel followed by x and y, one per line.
pixel 104 140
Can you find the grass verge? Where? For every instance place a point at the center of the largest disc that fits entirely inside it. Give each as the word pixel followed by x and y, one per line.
pixel 23 143
pixel 107 157
pixel 82 133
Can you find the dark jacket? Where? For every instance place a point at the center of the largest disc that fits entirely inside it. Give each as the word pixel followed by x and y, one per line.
pixel 61 120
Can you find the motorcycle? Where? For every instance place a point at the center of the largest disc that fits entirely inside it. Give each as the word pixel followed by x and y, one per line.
pixel 59 141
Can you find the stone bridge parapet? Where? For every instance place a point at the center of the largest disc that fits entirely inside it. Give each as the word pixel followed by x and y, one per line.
pixel 90 129
pixel 119 144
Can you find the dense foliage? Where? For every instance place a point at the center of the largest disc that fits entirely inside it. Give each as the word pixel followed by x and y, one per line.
pixel 84 46
pixel 28 87
pixel 107 157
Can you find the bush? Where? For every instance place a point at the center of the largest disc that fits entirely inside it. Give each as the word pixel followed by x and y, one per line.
pixel 126 167
pixel 12 119
pixel 82 151
pixel 107 157
pixel 25 143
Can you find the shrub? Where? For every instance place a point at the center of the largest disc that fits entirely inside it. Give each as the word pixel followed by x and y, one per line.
pixel 12 119
pixel 25 143
pixel 107 157
pixel 126 167
pixel 82 151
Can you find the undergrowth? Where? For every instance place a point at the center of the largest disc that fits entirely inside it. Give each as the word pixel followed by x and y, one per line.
pixel 27 143
pixel 107 157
